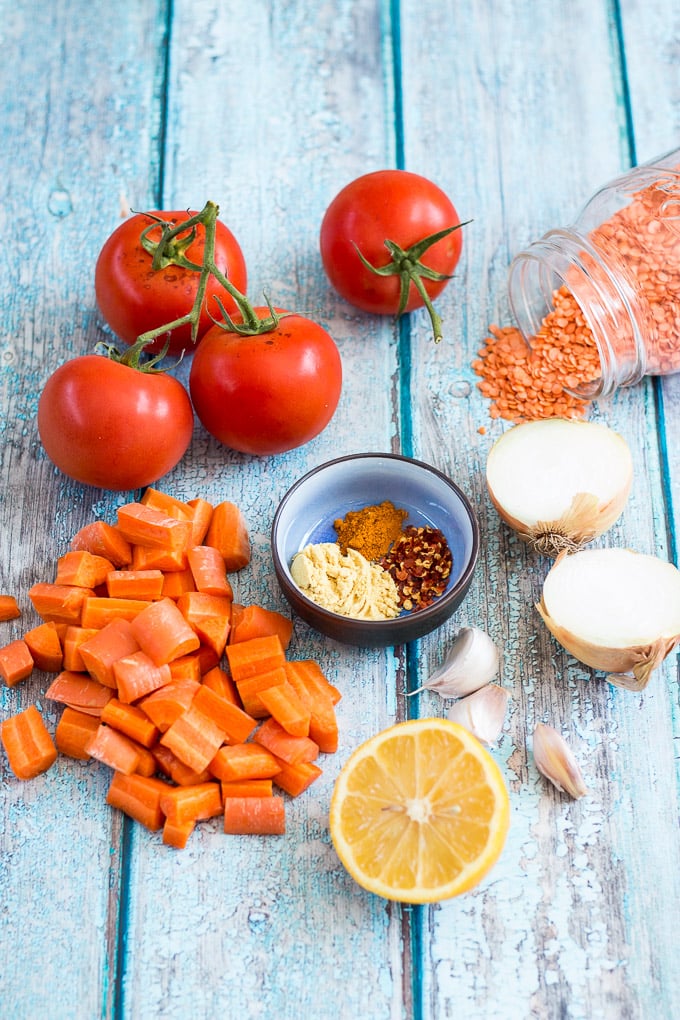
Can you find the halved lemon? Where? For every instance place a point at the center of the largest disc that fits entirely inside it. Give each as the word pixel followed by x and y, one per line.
pixel 419 812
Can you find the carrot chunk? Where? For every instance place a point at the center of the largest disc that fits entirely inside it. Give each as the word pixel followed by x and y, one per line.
pixel 143 525
pixel 209 616
pixel 228 533
pixel 73 733
pixel 236 724
pixel 311 686
pixel 285 706
pixel 221 683
pixel 16 662
pixel 258 655
pixel 137 675
pixel 102 539
pixel 177 582
pixel 45 647
pixel 187 667
pixel 163 633
pixel 264 816
pixel 99 610
pixel 74 637
pixel 169 702
pixel 113 748
pixel 114 641
pixel 170 765
pixel 235 762
pixel 139 797
pixel 209 571
pixel 249 688
pixel 290 749
pixel 77 690
pixel 255 621
pixel 166 503
pixel 177 835
pixel 130 720
pixel 194 738
pixel 201 515
pixel 82 568
pixel 192 803
pixel 9 609
pixel 29 747
pixel 62 603
pixel 295 779
pixel 248 788
pixel 146 585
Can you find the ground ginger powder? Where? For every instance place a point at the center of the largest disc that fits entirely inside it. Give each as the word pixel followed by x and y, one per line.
pixel 371 530
pixel 345 583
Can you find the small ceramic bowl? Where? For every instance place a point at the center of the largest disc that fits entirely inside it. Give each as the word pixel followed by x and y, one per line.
pixel 309 508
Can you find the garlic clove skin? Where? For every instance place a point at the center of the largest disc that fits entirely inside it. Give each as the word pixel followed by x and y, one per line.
pixel 471 662
pixel 555 760
pixel 482 712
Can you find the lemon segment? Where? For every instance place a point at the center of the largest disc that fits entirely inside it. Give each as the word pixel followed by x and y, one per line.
pixel 419 812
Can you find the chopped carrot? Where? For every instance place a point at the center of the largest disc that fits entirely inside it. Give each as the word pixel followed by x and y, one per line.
pixel 163 633
pixel 113 748
pixel 73 733
pixel 177 835
pixel 248 788
pixel 207 658
pixel 282 702
pixel 290 749
pixel 264 816
pixel 235 762
pixel 186 803
pixel 236 724
pixel 194 738
pixel 201 515
pixel 170 765
pixel 177 582
pixel 82 568
pixel 219 681
pixel 78 690
pixel 209 616
pixel 209 571
pixel 147 764
pixel 114 641
pixel 143 525
pixel 137 675
pixel 135 584
pixel 249 688
pixel 147 558
pixel 257 655
pixel 139 797
pixel 295 779
pixel 73 638
pixel 228 532
pixel 62 603
pixel 98 610
pixel 187 667
pixel 102 539
pixel 130 720
pixel 169 702
pixel 45 647
pixel 168 504
pixel 28 744
pixel 16 662
pixel 311 686
pixel 9 609
pixel 255 621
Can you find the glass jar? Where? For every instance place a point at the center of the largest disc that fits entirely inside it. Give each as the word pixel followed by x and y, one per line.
pixel 621 262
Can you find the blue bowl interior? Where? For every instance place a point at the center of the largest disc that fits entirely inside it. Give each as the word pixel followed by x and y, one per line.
pixel 327 493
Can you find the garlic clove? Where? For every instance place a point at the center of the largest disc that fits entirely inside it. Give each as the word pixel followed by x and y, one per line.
pixel 482 712
pixel 471 662
pixel 555 760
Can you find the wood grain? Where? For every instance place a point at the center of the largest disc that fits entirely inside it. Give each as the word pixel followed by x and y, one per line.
pixel 519 111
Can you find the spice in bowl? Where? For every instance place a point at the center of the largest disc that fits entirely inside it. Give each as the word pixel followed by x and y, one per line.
pixel 377 568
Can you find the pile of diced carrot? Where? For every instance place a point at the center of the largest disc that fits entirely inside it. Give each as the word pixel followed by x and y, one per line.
pixel 186 695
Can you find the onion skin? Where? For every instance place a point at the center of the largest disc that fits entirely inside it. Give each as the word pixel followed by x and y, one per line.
pixel 629 667
pixel 585 519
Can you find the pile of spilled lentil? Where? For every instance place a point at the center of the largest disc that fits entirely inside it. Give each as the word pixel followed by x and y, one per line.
pixel 526 383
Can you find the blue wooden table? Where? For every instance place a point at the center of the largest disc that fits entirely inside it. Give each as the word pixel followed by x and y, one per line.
pixel 518 110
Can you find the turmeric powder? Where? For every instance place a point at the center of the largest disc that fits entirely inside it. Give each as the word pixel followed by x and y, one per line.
pixel 371 530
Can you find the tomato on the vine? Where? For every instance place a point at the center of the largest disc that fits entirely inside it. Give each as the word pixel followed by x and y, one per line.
pixel 390 241
pixel 135 298
pixel 110 425
pixel 268 392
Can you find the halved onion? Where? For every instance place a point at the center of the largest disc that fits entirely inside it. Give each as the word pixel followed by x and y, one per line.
pixel 559 483
pixel 615 610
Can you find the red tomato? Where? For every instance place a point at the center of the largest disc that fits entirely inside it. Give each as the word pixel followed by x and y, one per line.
pixel 134 298
pixel 112 426
pixel 267 393
pixel 387 205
